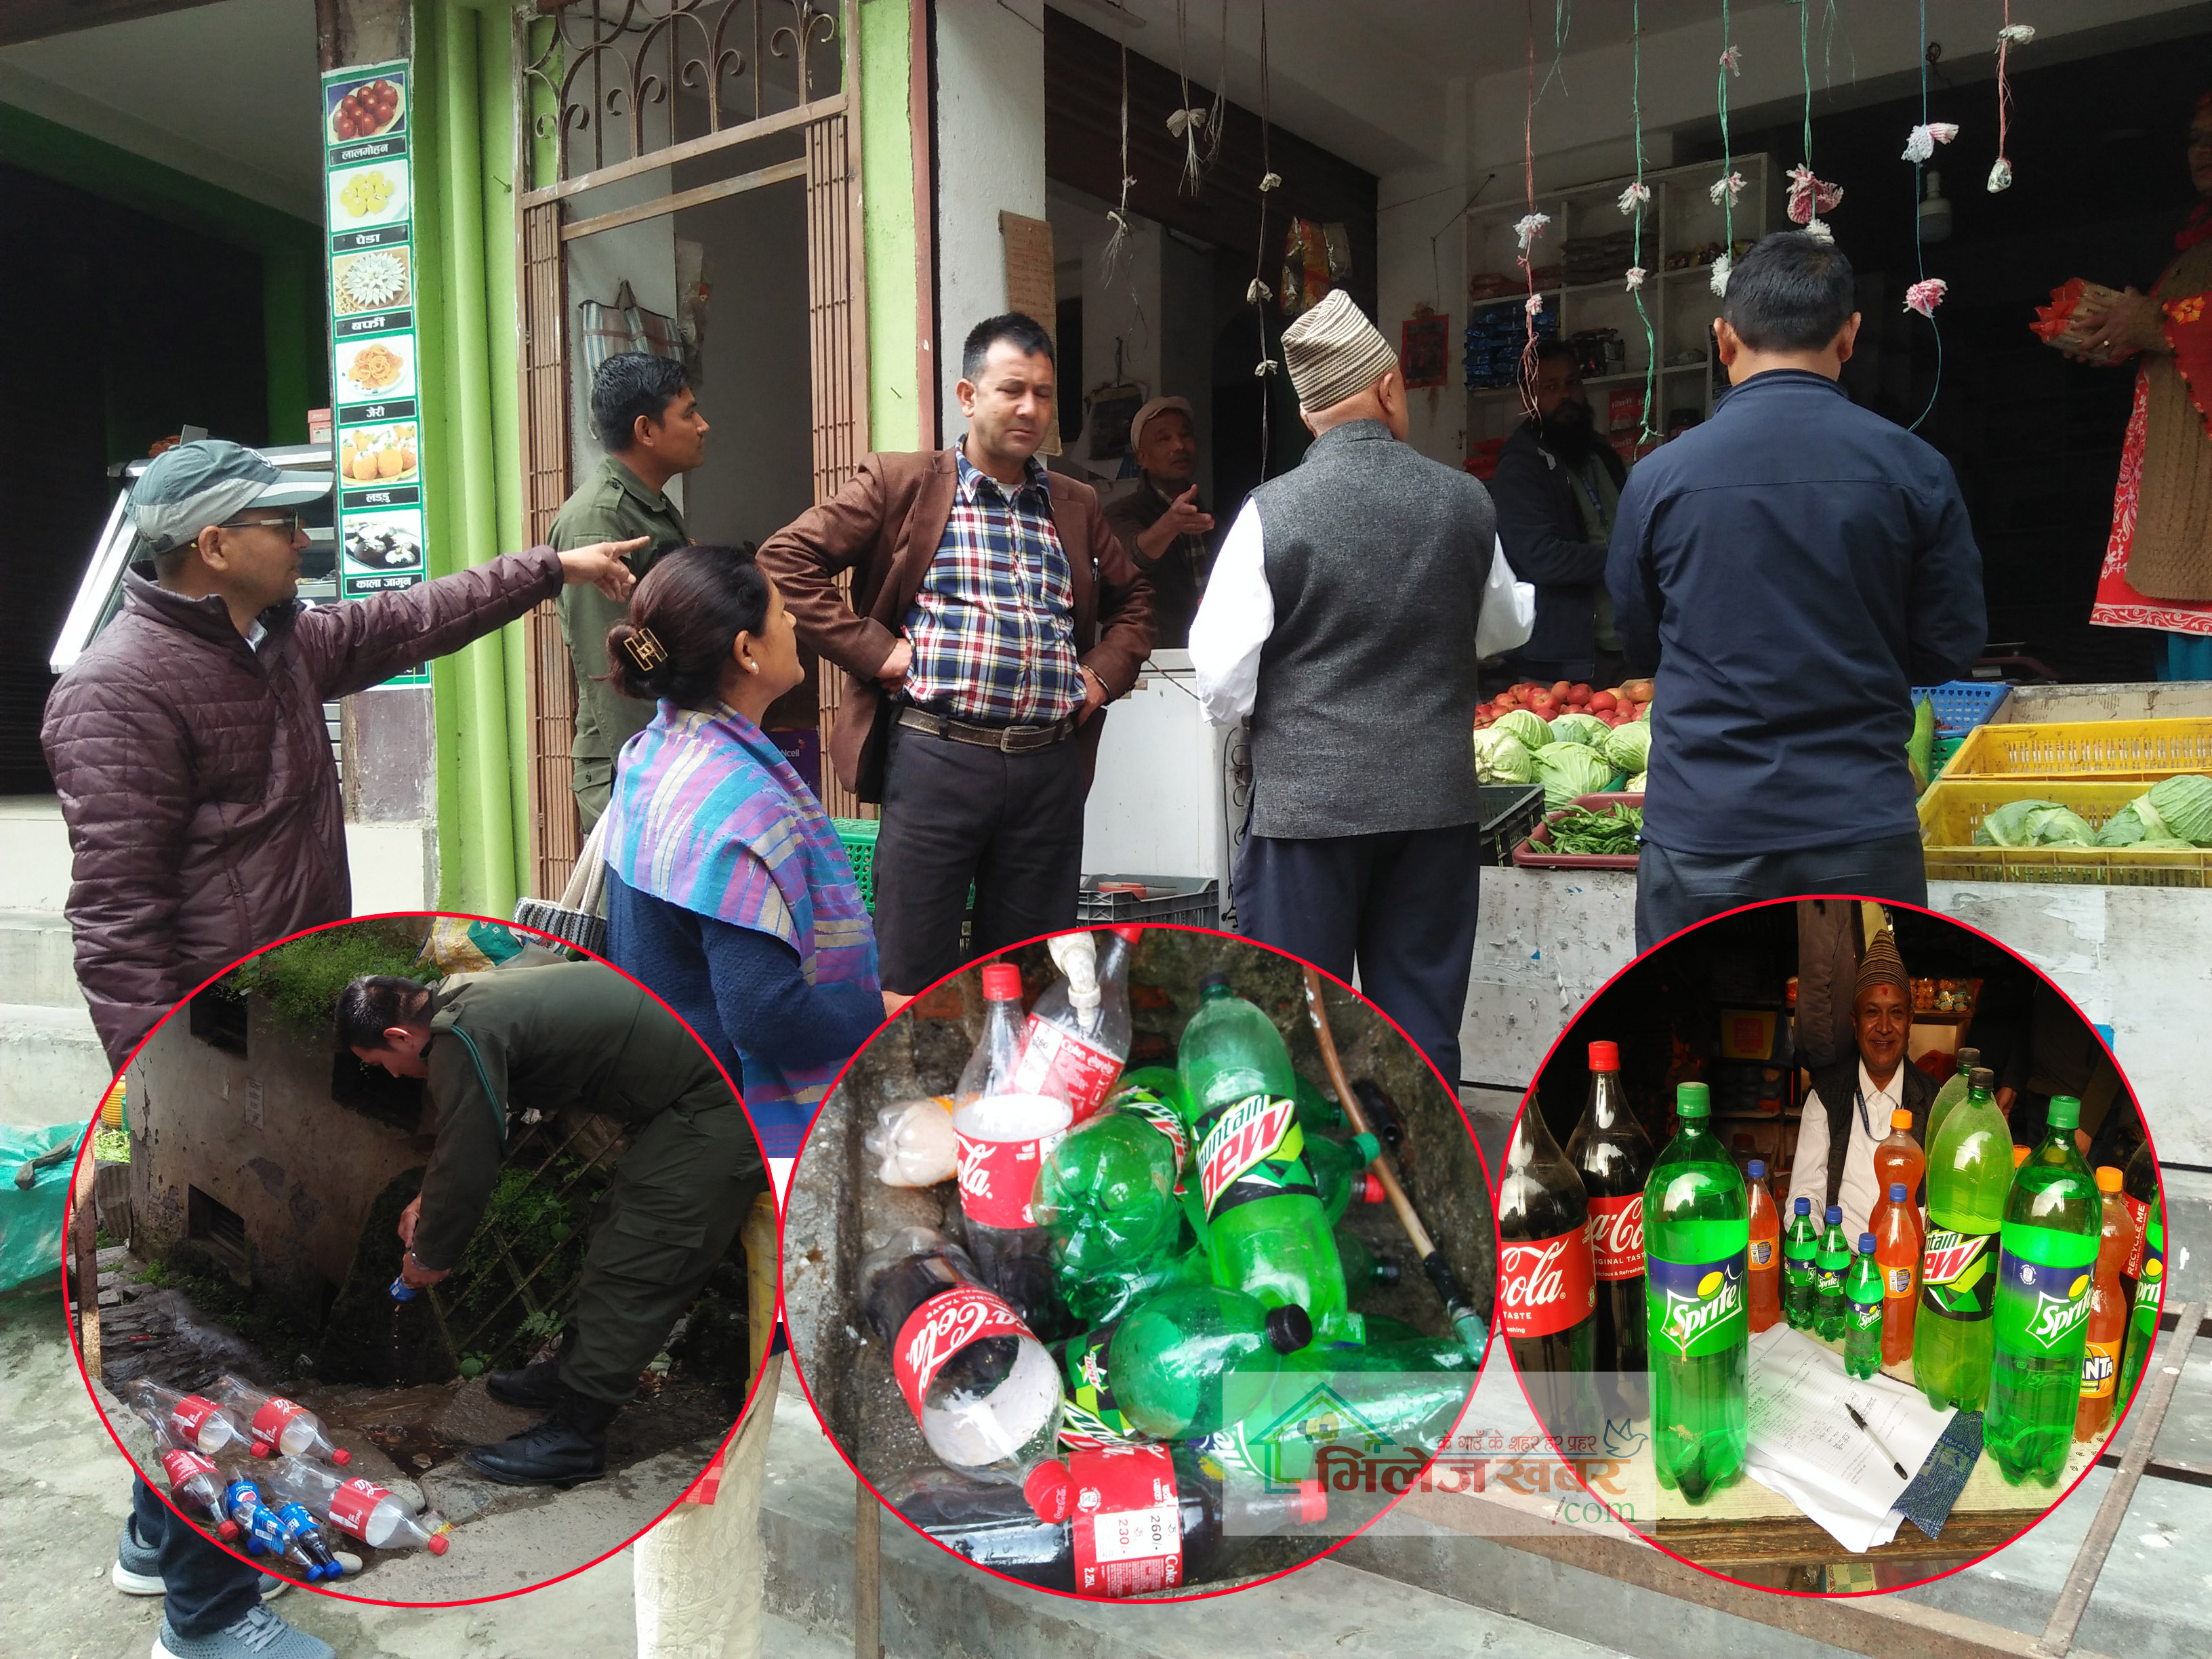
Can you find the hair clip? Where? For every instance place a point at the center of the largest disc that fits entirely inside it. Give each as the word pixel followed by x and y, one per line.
pixel 644 648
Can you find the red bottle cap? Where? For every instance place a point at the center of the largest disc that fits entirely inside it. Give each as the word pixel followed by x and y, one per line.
pixel 439 1543
pixel 261 1451
pixel 341 1457
pixel 1369 1189
pixel 1131 931
pixel 1605 1056
pixel 1313 1503
pixel 228 1529
pixel 1002 982
pixel 1047 1489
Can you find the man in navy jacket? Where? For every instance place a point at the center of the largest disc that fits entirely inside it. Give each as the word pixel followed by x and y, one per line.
pixel 1792 566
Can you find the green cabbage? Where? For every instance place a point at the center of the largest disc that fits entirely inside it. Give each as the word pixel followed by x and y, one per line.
pixel 1525 724
pixel 1628 747
pixel 1636 783
pixel 2183 804
pixel 1569 770
pixel 1501 758
pixel 2034 824
pixel 1575 726
pixel 2124 828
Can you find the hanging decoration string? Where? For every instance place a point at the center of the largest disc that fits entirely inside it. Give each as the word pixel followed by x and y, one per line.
pixel 2011 35
pixel 1109 261
pixel 1530 228
pixel 1562 21
pixel 1810 197
pixel 1633 201
pixel 1729 184
pixel 1217 117
pixel 1188 122
pixel 1257 293
pixel 1925 295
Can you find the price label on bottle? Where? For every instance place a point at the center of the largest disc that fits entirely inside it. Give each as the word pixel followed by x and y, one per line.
pixel 1127 1521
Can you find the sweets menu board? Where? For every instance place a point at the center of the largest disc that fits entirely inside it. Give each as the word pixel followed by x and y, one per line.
pixel 369 203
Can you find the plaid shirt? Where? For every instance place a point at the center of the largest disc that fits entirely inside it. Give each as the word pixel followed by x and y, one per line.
pixel 993 623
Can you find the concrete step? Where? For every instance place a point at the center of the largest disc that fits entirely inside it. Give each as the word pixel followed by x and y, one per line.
pixel 52 1069
pixel 34 853
pixel 38 960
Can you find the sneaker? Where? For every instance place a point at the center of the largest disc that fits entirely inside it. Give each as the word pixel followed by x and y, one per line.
pixel 138 1569
pixel 260 1635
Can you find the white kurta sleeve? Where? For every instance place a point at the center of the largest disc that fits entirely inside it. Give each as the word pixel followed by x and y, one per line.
pixel 1808 1166
pixel 1508 609
pixel 1233 622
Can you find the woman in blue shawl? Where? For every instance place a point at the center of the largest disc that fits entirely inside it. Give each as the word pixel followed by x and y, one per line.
pixel 728 892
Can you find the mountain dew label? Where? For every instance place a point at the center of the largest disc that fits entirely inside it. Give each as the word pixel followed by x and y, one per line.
pixel 2042 1307
pixel 1693 1308
pixel 1088 1417
pixel 1956 1276
pixel 1144 1104
pixel 1254 1150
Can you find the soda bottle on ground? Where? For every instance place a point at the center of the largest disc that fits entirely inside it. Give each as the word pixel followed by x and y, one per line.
pixel 1318 1114
pixel 984 1391
pixel 2046 1263
pixel 1181 1364
pixel 1897 1241
pixel 1546 1285
pixel 1003 1141
pixel 1164 1083
pixel 192 1479
pixel 1953 1091
pixel 272 1424
pixel 285 1530
pixel 1765 1291
pixel 360 1508
pixel 1363 1270
pixel 1265 1224
pixel 1969 1172
pixel 1077 1035
pixel 1863 1320
pixel 1340 1171
pixel 1106 1192
pixel 2145 1276
pixel 1171 1501
pixel 1799 1247
pixel 2108 1309
pixel 1407 1394
pixel 991 1063
pixel 1106 1294
pixel 1613 1155
pixel 193 1421
pixel 913 1143
pixel 1898 1157
pixel 1831 1261
pixel 1697 1235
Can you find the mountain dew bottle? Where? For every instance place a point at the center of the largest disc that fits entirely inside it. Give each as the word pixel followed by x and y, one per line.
pixel 1954 1090
pixel 2047 1256
pixel 1697 1243
pixel 1969 1173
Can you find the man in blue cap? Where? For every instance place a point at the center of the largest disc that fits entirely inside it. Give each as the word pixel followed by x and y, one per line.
pixel 188 748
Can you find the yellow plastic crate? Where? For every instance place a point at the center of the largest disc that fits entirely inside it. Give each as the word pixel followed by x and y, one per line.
pixel 1954 806
pixel 2143 751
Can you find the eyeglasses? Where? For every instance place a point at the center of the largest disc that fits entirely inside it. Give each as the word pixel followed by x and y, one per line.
pixel 288 523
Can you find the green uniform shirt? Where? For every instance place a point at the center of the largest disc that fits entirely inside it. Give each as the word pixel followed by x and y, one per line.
pixel 612 505
pixel 565 1034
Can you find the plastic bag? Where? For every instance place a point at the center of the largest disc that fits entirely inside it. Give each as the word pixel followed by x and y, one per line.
pixel 31 1217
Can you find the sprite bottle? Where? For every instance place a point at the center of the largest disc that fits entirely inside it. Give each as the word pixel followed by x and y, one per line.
pixel 1696 1242
pixel 1831 1261
pixel 1799 1246
pixel 1954 1090
pixel 2144 1271
pixel 1969 1172
pixel 1863 1318
pixel 2047 1258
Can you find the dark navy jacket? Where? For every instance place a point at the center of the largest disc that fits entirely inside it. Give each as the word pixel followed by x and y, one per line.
pixel 1542 526
pixel 1793 567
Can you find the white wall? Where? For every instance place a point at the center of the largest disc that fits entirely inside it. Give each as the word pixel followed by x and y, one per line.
pixel 644 255
pixel 1421 259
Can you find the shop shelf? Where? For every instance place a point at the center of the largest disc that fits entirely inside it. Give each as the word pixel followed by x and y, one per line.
pixel 1951 810
pixel 2143 751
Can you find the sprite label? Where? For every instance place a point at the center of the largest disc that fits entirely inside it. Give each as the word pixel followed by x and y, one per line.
pixel 1254 1150
pixel 1693 1308
pixel 1956 1276
pixel 2042 1307
pixel 1865 1317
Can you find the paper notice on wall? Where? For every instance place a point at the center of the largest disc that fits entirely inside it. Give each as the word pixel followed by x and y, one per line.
pixel 1030 290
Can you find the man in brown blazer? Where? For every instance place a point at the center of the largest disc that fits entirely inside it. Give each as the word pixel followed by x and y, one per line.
pixel 993 613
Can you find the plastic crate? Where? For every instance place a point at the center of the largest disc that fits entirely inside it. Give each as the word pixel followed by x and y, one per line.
pixel 2143 751
pixel 1105 900
pixel 1510 812
pixel 1961 705
pixel 1536 853
pixel 1950 811
pixel 859 835
pixel 1940 755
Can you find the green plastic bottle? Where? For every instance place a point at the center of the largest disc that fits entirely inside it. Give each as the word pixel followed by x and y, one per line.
pixel 1363 1270
pixel 2046 1260
pixel 1164 1369
pixel 1830 1263
pixel 1106 1192
pixel 1340 1168
pixel 1969 1173
pixel 1953 1091
pixel 1799 1246
pixel 2146 1264
pixel 1863 1318
pixel 1318 1114
pixel 1099 1298
pixel 1266 1227
pixel 1410 1393
pixel 1696 1234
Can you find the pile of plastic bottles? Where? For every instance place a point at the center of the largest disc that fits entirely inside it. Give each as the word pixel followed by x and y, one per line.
pixel 252 1465
pixel 1118 1373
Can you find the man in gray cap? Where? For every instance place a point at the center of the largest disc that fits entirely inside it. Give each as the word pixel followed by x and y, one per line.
pixel 1158 516
pixel 1340 618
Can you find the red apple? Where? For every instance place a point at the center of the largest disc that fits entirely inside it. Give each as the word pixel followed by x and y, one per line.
pixel 1603 702
pixel 1560 690
pixel 1578 695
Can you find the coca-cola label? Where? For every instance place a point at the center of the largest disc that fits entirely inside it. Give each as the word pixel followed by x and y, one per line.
pixel 1547 1286
pixel 1254 1150
pixel 181 1466
pixel 939 1329
pixel 1058 1062
pixel 1695 1308
pixel 268 1425
pixel 353 1502
pixel 1144 1104
pixel 1958 1277
pixel 1616 1237
pixel 1127 1521
pixel 189 1416
pixel 998 1178
pixel 2139 1216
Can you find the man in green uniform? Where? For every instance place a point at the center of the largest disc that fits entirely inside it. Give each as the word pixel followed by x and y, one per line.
pixel 648 419
pixel 489 1046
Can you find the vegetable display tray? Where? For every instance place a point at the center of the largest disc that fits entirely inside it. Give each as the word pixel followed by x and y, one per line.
pixel 2145 752
pixel 1961 705
pixel 1535 853
pixel 1951 809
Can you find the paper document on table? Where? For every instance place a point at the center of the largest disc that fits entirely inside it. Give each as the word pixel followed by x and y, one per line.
pixel 1805 1446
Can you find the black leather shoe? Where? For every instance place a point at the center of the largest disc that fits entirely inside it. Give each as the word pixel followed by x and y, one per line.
pixel 537 1385
pixel 567 1448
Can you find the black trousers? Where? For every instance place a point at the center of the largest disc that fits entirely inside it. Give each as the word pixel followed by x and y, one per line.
pixel 1399 907
pixel 207 1590
pixel 956 814
pixel 1674 890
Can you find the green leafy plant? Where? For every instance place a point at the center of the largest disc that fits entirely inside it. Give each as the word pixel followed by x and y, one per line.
pixel 301 981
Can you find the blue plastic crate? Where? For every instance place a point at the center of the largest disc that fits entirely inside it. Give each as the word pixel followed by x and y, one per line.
pixel 1961 705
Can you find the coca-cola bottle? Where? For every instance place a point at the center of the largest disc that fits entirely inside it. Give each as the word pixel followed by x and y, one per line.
pixel 981 1387
pixel 1546 1290
pixel 1077 1035
pixel 1612 1154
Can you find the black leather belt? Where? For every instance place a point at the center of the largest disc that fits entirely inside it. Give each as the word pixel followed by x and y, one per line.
pixel 1007 739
